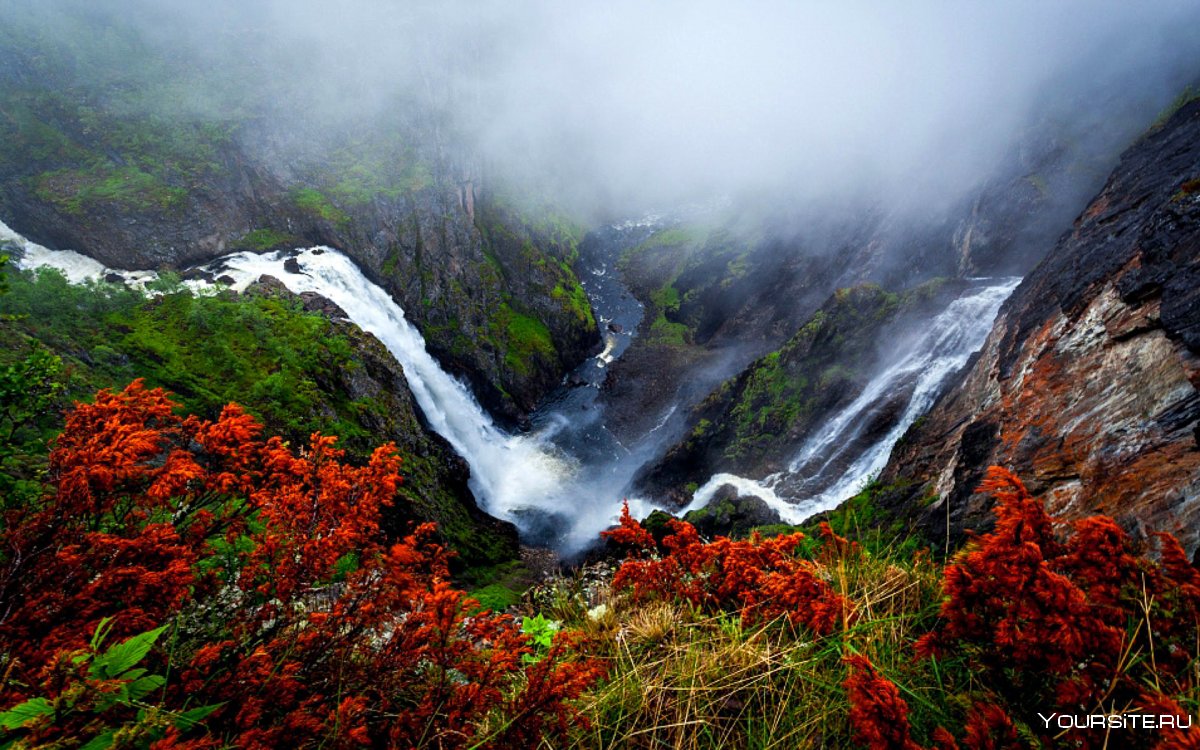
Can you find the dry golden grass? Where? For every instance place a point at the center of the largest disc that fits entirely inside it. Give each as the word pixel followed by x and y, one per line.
pixel 686 680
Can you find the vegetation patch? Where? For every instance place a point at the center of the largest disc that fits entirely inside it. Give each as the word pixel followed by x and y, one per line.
pixel 76 191
pixel 261 240
pixel 315 204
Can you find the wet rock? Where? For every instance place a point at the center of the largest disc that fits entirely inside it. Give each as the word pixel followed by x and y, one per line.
pixel 197 274
pixel 730 514
pixel 291 265
pixel 616 327
pixel 114 278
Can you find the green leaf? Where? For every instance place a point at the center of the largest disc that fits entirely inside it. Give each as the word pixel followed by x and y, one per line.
pixel 101 632
pixel 102 741
pixel 22 713
pixel 123 656
pixel 142 687
pixel 190 719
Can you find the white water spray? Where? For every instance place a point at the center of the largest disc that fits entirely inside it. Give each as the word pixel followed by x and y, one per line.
pixel 807 487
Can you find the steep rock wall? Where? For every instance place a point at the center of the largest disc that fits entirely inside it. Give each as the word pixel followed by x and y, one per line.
pixel 1088 384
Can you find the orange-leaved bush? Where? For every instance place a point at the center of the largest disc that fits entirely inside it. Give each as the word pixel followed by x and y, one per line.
pixel 294 622
pixel 762 579
pixel 1052 617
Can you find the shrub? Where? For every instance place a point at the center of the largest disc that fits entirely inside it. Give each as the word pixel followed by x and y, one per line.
pixel 288 608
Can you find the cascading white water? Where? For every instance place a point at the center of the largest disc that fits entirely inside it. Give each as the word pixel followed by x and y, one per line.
pixel 921 370
pixel 75 267
pixel 509 473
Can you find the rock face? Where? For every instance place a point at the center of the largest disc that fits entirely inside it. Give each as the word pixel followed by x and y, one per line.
pixel 729 514
pixel 1088 384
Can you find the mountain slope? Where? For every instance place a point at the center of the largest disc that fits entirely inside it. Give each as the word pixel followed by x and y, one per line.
pixel 104 150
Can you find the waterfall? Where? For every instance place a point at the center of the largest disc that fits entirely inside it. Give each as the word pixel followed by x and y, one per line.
pixel 832 464
pixel 510 474
pixel 526 478
pixel 529 479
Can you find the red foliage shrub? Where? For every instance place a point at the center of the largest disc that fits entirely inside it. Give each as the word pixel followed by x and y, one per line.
pixel 762 579
pixel 988 727
pixel 289 610
pixel 878 714
pixel 1055 616
pixel 630 534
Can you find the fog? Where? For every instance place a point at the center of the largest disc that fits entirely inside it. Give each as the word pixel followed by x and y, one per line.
pixel 626 104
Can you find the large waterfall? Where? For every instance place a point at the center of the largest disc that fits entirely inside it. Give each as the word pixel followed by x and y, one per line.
pixel 504 468
pixel 834 462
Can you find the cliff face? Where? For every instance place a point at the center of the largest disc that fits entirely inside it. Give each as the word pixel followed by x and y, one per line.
pixel 1088 384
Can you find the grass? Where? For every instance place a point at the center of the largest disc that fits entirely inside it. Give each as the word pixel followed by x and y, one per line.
pixel 683 679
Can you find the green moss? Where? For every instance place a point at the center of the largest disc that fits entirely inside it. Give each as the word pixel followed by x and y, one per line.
pixel 77 190
pixel 314 203
pixel 359 179
pixel 524 339
pixel 261 240
pixel 574 299
pixel 664 332
pixel 495 597
pixel 666 298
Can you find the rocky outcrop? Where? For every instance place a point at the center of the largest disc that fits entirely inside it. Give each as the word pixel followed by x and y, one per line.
pixel 732 515
pixel 1088 384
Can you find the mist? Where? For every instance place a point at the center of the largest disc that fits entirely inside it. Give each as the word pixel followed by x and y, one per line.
pixel 621 106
